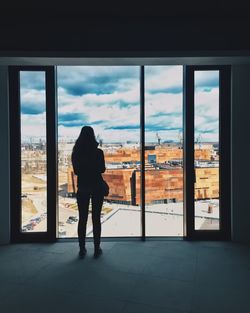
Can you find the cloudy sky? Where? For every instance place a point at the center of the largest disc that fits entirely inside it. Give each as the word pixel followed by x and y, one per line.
pixel 107 98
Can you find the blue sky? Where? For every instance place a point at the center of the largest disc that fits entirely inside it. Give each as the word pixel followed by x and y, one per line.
pixel 107 98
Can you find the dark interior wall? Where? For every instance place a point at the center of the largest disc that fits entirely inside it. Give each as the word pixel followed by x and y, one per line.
pixel 180 8
pixel 240 153
pixel 5 158
pixel 125 35
pixel 123 27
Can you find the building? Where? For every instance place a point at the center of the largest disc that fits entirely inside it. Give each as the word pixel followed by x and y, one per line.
pixel 163 175
pixel 157 154
pixel 162 185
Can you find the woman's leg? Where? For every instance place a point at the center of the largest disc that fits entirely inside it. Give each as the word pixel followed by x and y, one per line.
pixel 97 201
pixel 83 208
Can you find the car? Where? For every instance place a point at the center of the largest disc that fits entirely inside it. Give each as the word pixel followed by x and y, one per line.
pixel 36 219
pixel 29 226
pixel 70 221
pixel 73 218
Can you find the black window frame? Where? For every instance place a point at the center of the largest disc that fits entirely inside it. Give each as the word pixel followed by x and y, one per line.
pixel 224 233
pixel 15 151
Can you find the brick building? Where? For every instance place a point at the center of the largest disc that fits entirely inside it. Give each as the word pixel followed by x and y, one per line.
pixel 162 184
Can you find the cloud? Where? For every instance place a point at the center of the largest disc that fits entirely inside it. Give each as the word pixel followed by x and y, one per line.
pixel 30 110
pixel 32 80
pixel 174 90
pixel 164 79
pixel 207 131
pixel 161 114
pixel 81 80
pixel 112 110
pixel 118 114
pixel 72 119
pixel 206 80
pixel 122 127
pixel 32 101
pixel 207 114
pixel 33 127
pixel 122 99
pixel 108 98
pixel 157 127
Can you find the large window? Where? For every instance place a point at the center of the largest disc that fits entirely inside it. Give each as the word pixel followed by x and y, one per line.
pixel 165 134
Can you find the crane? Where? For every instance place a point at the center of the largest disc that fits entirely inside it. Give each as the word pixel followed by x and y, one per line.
pixel 98 137
pixel 158 138
pixel 198 140
pixel 180 139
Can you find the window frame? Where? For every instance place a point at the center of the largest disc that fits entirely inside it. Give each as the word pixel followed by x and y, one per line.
pixel 15 151
pixel 224 233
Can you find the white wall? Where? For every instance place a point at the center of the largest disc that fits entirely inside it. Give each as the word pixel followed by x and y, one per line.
pixel 4 159
pixel 241 153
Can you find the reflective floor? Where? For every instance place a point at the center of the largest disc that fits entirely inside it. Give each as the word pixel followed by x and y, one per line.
pixel 130 277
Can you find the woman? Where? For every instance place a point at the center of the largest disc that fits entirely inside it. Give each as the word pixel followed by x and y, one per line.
pixel 88 164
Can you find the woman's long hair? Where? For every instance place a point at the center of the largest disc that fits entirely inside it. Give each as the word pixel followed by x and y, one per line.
pixel 86 142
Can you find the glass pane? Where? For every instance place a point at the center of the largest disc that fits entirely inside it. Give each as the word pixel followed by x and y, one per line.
pixel 206 110
pixel 106 98
pixel 163 151
pixel 33 152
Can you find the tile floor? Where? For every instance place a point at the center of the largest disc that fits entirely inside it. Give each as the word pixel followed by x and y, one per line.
pixel 130 277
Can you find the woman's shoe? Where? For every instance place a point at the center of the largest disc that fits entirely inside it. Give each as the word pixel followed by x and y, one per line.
pixel 82 252
pixel 98 252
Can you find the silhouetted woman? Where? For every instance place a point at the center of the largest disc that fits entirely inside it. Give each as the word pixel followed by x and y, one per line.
pixel 88 164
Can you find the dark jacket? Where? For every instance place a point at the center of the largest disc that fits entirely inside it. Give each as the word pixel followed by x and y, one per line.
pixel 88 168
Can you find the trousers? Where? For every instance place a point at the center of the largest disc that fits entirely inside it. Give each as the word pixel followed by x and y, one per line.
pixel 83 200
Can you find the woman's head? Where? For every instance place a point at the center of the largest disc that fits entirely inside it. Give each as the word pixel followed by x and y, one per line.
pixel 86 139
